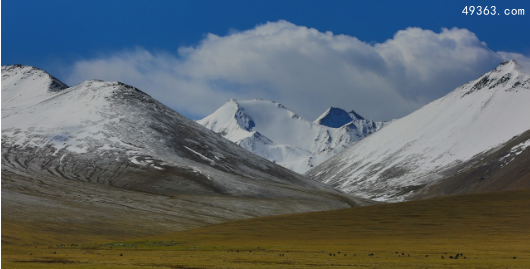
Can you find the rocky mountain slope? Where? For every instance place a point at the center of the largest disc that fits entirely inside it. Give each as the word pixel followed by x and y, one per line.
pixel 443 139
pixel 272 131
pixel 115 136
pixel 506 168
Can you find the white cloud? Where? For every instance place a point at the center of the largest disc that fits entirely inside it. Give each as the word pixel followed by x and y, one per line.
pixel 304 69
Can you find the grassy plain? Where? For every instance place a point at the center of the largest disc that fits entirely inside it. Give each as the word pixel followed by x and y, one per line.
pixel 490 230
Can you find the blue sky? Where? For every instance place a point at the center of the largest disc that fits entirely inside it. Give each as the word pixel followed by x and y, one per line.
pixel 194 55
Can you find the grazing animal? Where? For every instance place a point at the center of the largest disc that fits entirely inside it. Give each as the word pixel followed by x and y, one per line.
pixel 442 257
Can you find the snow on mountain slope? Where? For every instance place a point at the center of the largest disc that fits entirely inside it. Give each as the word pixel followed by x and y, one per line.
pixel 114 134
pixel 504 168
pixel 24 85
pixel 429 144
pixel 270 130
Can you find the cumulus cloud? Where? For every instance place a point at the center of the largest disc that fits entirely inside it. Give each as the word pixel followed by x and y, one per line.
pixel 304 69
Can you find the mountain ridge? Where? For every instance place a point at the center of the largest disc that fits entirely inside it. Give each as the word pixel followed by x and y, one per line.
pixel 422 148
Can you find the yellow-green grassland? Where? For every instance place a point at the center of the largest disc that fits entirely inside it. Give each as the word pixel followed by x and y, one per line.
pixel 489 230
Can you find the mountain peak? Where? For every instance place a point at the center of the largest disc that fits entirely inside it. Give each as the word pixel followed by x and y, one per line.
pixel 514 67
pixel 508 76
pixel 336 117
pixel 508 66
pixel 24 85
pixel 21 72
pixel 355 116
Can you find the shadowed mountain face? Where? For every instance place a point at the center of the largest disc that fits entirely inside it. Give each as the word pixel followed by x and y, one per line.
pixel 504 168
pixel 336 117
pixel 112 134
pixel 441 140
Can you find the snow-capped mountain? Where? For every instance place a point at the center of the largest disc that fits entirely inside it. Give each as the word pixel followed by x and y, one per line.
pixel 439 140
pixel 114 134
pixel 272 131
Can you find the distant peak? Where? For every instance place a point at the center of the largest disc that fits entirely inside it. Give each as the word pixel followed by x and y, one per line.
pixel 233 100
pixel 267 101
pixel 334 118
pixel 244 103
pixel 354 115
pixel 336 109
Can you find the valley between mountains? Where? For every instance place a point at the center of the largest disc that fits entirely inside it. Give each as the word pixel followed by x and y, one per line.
pixel 86 166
